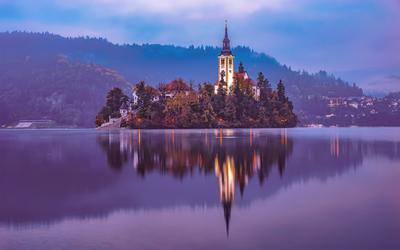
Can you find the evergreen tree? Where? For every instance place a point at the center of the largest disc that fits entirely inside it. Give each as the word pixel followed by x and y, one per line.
pixel 242 95
pixel 281 92
pixel 260 80
pixel 264 102
pixel 219 98
pixel 265 89
pixel 241 68
pixel 144 100
pixel 114 99
pixel 230 111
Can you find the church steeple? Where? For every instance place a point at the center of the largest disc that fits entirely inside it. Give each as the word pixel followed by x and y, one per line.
pixel 226 64
pixel 226 46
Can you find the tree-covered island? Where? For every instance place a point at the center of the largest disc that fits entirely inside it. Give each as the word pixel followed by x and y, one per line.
pixel 235 101
pixel 178 105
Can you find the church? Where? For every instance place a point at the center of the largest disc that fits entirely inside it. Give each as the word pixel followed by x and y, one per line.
pixel 226 76
pixel 226 68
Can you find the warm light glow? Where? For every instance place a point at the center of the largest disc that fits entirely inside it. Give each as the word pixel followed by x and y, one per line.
pixel 284 136
pixel 227 180
pixel 138 134
pixel 335 146
pixel 251 137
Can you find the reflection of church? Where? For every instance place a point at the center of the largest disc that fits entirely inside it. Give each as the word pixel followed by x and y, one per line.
pixel 181 154
pixel 226 175
pixel 226 69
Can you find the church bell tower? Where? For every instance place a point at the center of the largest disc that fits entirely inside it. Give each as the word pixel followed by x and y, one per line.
pixel 225 62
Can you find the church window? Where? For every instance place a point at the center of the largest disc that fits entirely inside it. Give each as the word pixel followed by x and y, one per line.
pixel 230 61
pixel 222 61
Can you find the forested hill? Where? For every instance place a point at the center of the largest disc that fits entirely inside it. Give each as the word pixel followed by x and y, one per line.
pixel 161 63
pixel 69 93
pixel 30 69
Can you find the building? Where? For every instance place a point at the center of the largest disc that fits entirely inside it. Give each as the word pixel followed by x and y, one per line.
pixel 226 68
pixel 174 87
pixel 226 64
pixel 124 109
pixel 154 93
pixel 35 124
pixel 226 76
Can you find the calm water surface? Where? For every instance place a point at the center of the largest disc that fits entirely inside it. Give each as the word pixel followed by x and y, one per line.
pixel 200 189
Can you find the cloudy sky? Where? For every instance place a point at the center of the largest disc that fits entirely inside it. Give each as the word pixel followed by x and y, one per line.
pixel 358 40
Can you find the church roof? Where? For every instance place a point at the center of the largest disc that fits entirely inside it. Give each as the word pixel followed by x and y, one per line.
pixel 177 85
pixel 226 44
pixel 152 91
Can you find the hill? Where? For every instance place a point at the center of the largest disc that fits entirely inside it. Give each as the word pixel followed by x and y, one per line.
pixel 32 75
pixel 69 93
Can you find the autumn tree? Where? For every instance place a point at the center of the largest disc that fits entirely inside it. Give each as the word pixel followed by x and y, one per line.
pixel 208 115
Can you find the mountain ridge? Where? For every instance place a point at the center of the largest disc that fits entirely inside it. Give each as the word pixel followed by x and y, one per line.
pixel 153 63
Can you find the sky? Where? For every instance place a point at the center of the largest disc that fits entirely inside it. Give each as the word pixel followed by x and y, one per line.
pixel 357 40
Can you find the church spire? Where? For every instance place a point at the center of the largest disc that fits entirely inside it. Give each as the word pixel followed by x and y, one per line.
pixel 226 46
pixel 226 29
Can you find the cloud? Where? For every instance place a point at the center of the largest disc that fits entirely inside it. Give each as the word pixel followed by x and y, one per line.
pixel 183 8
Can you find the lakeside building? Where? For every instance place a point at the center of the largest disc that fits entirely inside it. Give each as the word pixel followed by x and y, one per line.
pixel 34 124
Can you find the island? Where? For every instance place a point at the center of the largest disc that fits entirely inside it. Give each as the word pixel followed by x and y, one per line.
pixel 233 101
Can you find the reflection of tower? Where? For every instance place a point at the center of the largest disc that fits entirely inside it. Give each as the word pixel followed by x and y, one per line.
pixel 226 177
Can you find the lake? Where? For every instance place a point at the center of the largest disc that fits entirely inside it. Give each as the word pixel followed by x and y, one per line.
pixel 303 188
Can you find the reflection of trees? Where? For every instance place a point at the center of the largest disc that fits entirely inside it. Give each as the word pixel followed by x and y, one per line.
pixel 180 154
pixel 116 155
pixel 237 156
pixel 233 161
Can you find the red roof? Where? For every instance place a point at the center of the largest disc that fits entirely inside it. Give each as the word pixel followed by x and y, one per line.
pixel 177 85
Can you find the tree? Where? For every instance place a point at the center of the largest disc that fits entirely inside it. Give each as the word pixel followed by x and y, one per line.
pixel 241 68
pixel 144 100
pixel 208 115
pixel 219 98
pixel 230 110
pixel 205 108
pixel 114 99
pixel 265 89
pixel 281 92
pixel 207 88
pixel 180 111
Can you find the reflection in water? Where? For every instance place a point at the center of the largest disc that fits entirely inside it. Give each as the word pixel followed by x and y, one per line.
pixel 87 174
pixel 233 157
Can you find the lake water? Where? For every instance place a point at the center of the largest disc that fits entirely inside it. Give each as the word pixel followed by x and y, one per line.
pixel 336 188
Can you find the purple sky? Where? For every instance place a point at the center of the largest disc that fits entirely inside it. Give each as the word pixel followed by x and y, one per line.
pixel 358 40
